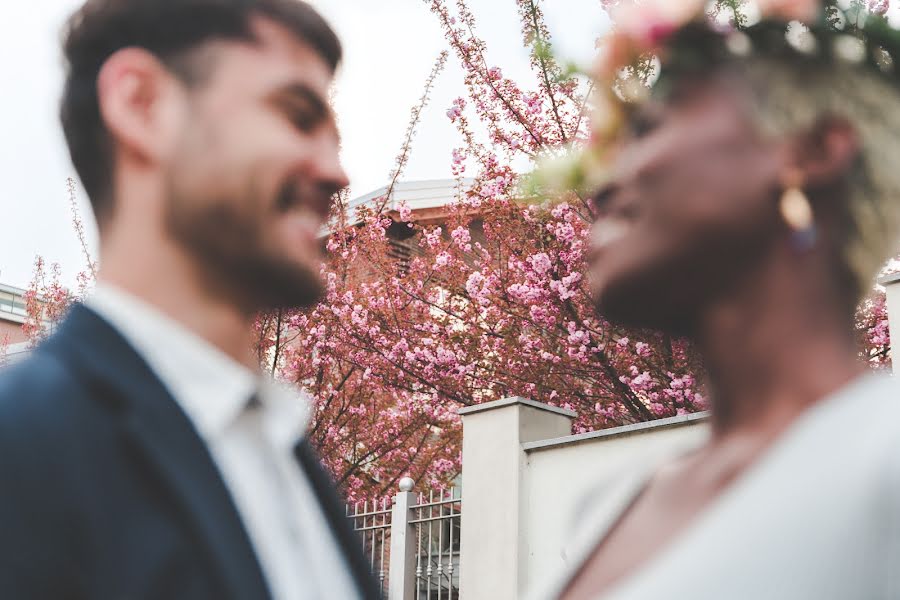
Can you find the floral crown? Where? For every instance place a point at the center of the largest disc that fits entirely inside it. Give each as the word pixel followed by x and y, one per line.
pixel 656 39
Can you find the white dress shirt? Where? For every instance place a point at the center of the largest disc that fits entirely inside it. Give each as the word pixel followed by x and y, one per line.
pixel 251 444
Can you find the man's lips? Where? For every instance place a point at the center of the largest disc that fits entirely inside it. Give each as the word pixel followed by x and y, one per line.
pixel 609 230
pixel 303 224
pixel 305 198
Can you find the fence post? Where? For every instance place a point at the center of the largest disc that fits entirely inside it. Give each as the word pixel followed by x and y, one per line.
pixel 402 575
pixel 892 296
pixel 493 549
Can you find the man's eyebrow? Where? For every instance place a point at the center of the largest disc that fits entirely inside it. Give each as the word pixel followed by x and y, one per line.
pixel 300 94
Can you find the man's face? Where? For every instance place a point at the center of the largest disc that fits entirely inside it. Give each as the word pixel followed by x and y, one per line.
pixel 692 208
pixel 252 178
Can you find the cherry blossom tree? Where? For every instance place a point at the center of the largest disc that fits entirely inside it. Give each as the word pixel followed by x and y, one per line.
pixel 488 303
pixel 47 299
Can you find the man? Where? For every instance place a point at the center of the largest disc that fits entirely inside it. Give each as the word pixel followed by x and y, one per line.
pixel 142 454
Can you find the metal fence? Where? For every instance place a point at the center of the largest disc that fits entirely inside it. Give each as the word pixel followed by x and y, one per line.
pixel 373 522
pixel 412 541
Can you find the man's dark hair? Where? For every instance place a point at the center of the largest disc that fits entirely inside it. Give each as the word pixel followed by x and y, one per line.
pixel 170 30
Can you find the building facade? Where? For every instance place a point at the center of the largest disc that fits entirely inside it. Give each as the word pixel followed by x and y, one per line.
pixel 13 341
pixel 12 314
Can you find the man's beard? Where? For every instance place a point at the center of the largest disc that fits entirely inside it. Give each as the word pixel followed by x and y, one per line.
pixel 226 239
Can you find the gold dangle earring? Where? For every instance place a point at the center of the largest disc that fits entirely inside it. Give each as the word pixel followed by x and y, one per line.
pixel 797 213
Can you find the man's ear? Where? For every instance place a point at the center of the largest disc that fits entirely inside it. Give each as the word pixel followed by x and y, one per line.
pixel 139 103
pixel 827 152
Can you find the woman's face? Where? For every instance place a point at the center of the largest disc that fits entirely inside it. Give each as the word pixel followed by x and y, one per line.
pixel 693 205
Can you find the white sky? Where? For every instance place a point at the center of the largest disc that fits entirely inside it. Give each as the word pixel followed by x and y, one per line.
pixel 390 47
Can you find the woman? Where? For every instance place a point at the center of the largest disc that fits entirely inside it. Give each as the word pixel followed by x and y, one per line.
pixel 753 195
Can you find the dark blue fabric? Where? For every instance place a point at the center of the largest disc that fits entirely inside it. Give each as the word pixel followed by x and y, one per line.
pixel 108 492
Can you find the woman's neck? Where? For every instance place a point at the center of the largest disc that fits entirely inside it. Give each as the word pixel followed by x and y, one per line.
pixel 774 348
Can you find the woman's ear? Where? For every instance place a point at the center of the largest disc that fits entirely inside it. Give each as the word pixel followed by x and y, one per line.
pixel 827 152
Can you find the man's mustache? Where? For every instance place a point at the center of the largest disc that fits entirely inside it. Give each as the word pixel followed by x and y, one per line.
pixel 316 197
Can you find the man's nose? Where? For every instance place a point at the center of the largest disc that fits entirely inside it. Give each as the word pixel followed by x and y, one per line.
pixel 329 169
pixel 340 178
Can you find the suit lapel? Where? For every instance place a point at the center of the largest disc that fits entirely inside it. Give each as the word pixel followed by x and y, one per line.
pixel 350 544
pixel 156 428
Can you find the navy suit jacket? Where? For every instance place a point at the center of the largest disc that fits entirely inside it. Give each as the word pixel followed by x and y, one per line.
pixel 108 492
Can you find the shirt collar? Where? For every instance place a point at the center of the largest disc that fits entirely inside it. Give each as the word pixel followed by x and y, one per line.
pixel 211 387
pixel 287 413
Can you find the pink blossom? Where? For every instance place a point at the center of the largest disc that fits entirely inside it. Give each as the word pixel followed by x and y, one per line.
pixel 462 237
pixel 540 262
pixel 456 109
pixel 878 7
pixel 405 212
pixel 477 288
pixel 565 288
pixel 524 292
pixel 564 232
pixel 443 259
pixel 433 237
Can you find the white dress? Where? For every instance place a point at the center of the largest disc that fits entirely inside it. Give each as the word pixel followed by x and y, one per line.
pixel 817 517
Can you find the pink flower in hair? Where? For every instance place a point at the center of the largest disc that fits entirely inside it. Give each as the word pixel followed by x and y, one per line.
pixel 650 23
pixel 805 11
pixel 642 27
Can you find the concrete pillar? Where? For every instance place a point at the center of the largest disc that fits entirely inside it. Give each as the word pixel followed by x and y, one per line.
pixel 891 284
pixel 402 578
pixel 492 552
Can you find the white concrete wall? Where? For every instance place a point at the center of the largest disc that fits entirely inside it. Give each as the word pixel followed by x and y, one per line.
pixel 524 481
pixel 560 474
pixel 491 551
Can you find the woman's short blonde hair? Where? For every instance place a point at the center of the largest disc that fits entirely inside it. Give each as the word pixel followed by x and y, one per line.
pixel 788 97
